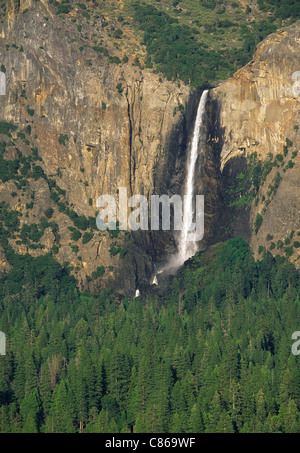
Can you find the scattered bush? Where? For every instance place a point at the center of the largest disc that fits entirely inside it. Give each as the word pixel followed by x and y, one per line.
pixel 49 212
pixel 87 237
pixel 75 234
pixel 257 223
pixel 62 139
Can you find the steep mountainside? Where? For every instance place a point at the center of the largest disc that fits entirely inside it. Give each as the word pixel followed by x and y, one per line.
pixel 77 122
pixel 258 129
pixel 96 126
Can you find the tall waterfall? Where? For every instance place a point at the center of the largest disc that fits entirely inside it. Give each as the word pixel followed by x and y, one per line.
pixel 187 247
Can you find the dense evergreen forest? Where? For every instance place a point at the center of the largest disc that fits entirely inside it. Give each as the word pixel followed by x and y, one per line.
pixel 174 48
pixel 212 355
pixel 178 55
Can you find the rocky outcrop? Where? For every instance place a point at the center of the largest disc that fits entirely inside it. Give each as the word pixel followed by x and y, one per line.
pixel 256 113
pixel 98 126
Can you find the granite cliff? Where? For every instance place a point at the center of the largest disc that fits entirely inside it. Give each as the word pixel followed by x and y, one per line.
pixel 78 122
pixel 254 133
pixel 97 126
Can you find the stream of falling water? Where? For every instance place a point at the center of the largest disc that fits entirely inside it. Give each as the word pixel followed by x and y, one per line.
pixel 187 247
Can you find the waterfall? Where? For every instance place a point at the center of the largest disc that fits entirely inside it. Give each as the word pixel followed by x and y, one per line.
pixel 187 247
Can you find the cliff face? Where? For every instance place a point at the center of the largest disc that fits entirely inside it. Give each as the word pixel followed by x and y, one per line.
pixel 86 126
pixel 256 113
pixel 97 127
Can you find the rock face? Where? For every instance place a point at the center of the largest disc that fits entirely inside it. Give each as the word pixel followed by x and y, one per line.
pixel 256 113
pixel 97 127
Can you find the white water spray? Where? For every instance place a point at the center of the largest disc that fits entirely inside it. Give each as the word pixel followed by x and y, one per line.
pixel 187 247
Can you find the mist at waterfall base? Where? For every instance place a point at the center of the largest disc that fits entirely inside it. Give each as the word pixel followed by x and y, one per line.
pixel 186 243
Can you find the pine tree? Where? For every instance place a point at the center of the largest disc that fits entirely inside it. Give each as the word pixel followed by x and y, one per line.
pixel 30 412
pixel 62 413
pixel 196 423
pixel 118 372
pixel 45 389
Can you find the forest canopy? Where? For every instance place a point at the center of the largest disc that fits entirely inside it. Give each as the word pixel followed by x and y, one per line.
pixel 213 354
pixel 176 51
